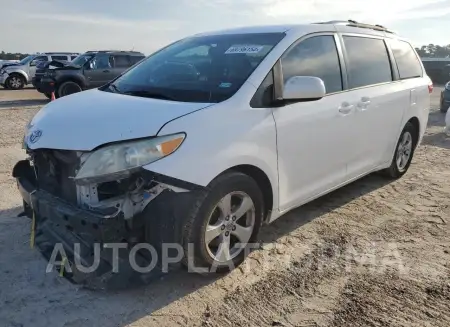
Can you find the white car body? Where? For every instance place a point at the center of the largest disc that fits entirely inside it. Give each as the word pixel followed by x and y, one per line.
pixel 305 149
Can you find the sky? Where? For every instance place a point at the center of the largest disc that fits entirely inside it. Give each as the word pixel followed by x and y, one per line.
pixel 147 25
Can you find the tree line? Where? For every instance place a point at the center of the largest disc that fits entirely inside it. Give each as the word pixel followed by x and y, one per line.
pixel 434 51
pixel 12 56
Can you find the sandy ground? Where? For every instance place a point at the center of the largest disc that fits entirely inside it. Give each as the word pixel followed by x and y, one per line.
pixel 375 253
pixel 21 98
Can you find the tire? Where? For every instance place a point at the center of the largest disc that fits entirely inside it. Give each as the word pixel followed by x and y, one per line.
pixel 206 212
pixel 399 166
pixel 443 107
pixel 48 95
pixel 15 82
pixel 68 88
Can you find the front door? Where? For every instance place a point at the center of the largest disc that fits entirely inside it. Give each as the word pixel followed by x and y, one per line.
pixel 99 71
pixel 32 66
pixel 313 136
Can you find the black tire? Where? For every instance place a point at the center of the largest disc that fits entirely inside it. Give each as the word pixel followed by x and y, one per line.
pixel 48 95
pixel 198 218
pixel 443 107
pixel 394 171
pixel 68 88
pixel 15 82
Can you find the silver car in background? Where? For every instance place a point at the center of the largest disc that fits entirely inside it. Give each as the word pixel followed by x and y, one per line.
pixel 16 75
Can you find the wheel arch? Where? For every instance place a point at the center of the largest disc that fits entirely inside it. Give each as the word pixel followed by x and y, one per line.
pixel 21 74
pixel 263 182
pixel 79 81
pixel 416 123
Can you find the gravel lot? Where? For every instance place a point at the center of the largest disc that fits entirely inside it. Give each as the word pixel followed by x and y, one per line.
pixel 375 253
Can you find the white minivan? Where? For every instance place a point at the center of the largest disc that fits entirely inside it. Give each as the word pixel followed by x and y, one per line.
pixel 216 134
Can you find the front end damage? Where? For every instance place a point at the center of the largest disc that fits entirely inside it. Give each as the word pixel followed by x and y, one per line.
pixel 81 216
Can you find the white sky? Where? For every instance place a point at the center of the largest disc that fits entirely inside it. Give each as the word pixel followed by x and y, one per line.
pixel 146 25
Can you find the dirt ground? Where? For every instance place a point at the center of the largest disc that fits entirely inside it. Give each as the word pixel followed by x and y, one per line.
pixel 374 253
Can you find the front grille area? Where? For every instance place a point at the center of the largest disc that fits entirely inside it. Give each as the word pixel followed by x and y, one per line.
pixel 54 170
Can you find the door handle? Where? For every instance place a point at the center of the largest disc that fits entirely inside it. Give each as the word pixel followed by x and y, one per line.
pixel 345 108
pixel 106 71
pixel 363 103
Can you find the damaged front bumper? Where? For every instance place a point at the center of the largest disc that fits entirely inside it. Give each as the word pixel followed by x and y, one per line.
pixel 79 231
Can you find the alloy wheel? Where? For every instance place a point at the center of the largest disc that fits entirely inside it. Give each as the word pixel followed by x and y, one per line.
pixel 230 226
pixel 404 151
pixel 15 82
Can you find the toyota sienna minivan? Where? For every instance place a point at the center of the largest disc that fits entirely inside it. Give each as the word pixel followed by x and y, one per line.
pixel 211 137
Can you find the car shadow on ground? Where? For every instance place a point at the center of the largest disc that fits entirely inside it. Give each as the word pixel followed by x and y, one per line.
pixel 440 140
pixel 436 118
pixel 22 103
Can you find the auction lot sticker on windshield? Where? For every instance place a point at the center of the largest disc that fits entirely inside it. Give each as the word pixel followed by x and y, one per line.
pixel 244 49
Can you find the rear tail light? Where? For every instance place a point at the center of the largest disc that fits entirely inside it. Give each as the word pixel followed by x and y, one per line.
pixel 430 87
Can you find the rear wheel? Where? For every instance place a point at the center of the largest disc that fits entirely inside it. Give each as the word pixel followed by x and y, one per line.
pixel 404 152
pixel 48 95
pixel 68 88
pixel 15 82
pixel 444 107
pixel 219 231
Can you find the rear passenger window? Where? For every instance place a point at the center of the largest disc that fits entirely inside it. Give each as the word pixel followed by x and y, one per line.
pixel 59 57
pixel 73 57
pixel 368 61
pixel 135 59
pixel 316 56
pixel 407 62
pixel 121 61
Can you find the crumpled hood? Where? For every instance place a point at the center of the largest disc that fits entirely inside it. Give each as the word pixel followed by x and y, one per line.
pixel 9 64
pixel 88 119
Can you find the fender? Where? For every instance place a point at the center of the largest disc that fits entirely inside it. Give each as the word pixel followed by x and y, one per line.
pixel 72 78
pixel 18 71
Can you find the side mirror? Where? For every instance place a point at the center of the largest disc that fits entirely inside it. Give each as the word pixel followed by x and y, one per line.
pixel 304 88
pixel 33 63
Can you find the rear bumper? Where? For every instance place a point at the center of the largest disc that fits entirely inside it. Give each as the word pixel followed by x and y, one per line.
pixel 45 85
pixel 445 97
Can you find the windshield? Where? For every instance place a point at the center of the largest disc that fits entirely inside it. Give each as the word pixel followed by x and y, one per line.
pixel 26 60
pixel 198 69
pixel 81 60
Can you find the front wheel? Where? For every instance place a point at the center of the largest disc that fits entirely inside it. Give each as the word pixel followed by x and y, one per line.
pixel 219 232
pixel 404 152
pixel 68 88
pixel 15 82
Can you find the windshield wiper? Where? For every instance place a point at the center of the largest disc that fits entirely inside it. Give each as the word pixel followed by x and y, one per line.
pixel 114 88
pixel 150 94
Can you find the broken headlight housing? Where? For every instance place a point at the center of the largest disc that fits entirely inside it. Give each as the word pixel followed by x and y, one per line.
pixel 119 160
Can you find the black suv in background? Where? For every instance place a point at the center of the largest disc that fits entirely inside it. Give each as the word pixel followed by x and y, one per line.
pixel 89 70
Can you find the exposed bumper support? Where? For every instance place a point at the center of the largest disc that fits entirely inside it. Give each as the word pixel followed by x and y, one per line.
pixel 59 222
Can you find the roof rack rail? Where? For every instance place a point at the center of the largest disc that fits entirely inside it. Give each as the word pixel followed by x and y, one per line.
pixel 354 23
pixel 108 51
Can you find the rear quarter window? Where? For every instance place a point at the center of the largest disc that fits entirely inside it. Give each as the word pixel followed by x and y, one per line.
pixel 135 59
pixel 408 63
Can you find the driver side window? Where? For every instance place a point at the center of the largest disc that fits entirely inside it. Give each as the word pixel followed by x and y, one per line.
pixel 101 62
pixel 316 56
pixel 36 60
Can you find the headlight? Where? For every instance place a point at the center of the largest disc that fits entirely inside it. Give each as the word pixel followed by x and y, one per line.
pixel 120 160
pixel 447 86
